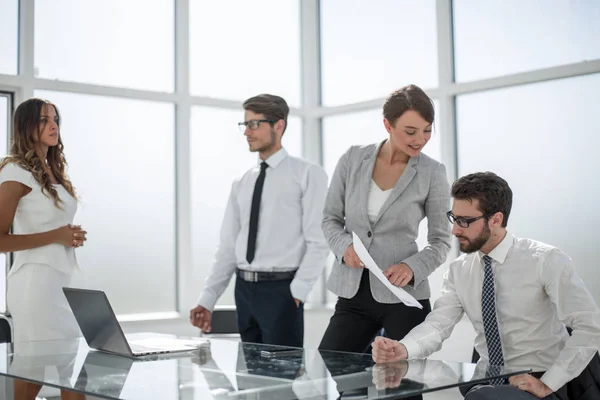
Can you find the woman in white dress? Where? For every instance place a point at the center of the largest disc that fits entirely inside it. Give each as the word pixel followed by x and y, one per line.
pixel 38 200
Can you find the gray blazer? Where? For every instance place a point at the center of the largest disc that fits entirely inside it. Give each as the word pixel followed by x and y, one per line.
pixel 422 191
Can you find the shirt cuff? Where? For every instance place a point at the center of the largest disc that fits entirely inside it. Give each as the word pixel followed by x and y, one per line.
pixel 413 348
pixel 555 378
pixel 207 301
pixel 299 289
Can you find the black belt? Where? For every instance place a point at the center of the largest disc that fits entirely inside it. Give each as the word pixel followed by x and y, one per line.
pixel 258 276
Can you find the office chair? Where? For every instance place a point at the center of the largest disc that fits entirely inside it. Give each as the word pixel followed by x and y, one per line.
pixel 6 385
pixel 224 324
pixel 5 329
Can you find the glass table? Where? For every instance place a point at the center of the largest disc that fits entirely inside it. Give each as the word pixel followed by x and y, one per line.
pixel 225 369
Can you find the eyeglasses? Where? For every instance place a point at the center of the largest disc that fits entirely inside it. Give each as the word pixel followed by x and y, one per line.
pixel 253 124
pixel 464 222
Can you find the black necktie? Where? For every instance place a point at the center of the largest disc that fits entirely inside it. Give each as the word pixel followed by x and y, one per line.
pixel 251 249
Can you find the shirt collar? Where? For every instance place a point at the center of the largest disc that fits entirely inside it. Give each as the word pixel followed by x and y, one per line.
pixel 500 252
pixel 276 158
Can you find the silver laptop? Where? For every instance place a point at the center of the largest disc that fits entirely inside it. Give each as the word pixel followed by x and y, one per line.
pixel 102 331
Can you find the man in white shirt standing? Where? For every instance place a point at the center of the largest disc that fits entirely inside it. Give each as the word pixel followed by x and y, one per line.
pixel 271 235
pixel 518 293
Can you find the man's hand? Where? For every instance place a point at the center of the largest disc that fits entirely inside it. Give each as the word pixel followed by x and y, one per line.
pixel 351 258
pixel 387 350
pixel 201 318
pixel 531 384
pixel 389 375
pixel 399 274
pixel 297 302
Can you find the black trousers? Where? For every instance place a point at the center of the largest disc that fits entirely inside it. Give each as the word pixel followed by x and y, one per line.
pixel 357 321
pixel 267 313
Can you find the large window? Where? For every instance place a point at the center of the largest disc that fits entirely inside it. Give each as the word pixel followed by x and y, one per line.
pixel 366 127
pixel 369 48
pixel 4 122
pixel 150 95
pixel 219 154
pixel 543 139
pixel 4 133
pixel 110 42
pixel 241 48
pixel 122 162
pixel 9 25
pixel 494 38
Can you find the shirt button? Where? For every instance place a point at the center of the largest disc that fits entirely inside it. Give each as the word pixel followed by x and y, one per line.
pixel 369 234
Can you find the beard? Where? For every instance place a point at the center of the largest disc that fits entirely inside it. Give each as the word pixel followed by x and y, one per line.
pixel 476 244
pixel 266 146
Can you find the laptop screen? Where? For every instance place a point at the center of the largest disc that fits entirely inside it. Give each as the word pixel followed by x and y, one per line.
pixel 97 320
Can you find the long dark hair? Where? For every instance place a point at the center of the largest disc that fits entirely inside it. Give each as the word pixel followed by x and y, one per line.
pixel 26 132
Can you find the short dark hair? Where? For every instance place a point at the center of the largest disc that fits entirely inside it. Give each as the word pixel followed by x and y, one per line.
pixel 410 97
pixel 272 107
pixel 493 193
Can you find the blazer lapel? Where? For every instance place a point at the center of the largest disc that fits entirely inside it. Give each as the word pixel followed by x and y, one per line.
pixel 407 176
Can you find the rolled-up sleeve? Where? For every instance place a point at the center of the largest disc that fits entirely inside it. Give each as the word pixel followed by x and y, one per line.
pixel 313 261
pixel 427 338
pixel 225 259
pixel 576 309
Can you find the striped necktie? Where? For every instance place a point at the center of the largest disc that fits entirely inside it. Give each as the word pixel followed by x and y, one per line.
pixel 490 322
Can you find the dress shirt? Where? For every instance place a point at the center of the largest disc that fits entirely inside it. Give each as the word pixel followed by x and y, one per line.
pixel 537 294
pixel 289 227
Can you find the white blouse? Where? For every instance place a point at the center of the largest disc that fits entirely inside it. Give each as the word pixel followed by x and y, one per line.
pixel 377 197
pixel 36 213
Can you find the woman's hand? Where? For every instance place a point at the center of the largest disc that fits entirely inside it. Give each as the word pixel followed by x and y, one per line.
pixel 70 236
pixel 351 258
pixel 399 274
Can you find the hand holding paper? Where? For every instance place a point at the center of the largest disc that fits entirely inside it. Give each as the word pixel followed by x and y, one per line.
pixel 399 274
pixel 351 259
pixel 366 258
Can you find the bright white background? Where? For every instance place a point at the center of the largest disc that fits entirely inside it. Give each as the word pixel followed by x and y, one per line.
pixel 151 99
pixel 4 113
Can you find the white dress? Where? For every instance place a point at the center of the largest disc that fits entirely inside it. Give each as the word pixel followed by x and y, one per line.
pixel 35 298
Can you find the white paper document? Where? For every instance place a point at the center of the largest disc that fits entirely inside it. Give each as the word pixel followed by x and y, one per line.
pixel 366 258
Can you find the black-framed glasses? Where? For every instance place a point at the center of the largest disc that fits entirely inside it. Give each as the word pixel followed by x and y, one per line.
pixel 253 124
pixel 464 222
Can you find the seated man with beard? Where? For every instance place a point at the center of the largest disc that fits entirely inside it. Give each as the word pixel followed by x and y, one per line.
pixel 520 296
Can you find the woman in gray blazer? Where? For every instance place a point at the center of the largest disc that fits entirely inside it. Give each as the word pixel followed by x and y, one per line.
pixel 381 192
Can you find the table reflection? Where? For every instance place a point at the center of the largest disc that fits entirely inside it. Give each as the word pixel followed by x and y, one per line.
pixel 221 369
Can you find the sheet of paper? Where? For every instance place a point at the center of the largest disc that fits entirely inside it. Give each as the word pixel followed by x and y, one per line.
pixel 366 258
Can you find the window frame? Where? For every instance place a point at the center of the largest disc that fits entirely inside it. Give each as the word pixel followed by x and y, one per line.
pixel 311 111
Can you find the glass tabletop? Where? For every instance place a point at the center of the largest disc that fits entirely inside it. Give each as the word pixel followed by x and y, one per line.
pixel 219 369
